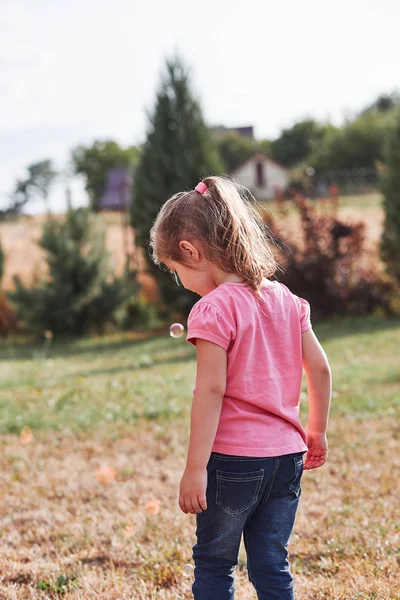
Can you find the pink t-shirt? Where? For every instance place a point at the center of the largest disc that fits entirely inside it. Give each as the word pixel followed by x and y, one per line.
pixel 262 337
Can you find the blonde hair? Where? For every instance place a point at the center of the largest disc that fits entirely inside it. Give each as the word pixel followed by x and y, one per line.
pixel 225 222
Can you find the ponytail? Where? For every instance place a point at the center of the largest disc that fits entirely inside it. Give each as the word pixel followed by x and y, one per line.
pixel 223 219
pixel 243 233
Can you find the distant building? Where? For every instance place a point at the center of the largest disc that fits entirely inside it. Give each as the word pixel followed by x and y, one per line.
pixel 116 195
pixel 262 176
pixel 246 131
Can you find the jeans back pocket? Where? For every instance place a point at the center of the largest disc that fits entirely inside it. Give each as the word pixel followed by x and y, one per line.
pixel 237 492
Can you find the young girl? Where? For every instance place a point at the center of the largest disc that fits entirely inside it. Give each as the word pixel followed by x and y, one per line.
pixel 252 337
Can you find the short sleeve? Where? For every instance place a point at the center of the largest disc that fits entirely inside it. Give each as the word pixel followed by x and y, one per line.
pixel 206 322
pixel 305 317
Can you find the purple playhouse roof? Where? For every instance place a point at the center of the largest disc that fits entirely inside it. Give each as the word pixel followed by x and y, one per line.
pixel 116 194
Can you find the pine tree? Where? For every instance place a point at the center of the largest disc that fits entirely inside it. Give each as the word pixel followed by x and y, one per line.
pixel 390 242
pixel 79 295
pixel 178 153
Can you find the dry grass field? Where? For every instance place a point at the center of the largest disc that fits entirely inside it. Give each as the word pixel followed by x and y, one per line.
pixel 352 209
pixel 92 444
pixel 93 436
pixel 25 258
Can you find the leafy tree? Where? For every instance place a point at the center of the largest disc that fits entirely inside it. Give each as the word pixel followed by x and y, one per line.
pixel 41 176
pixel 384 103
pixel 79 294
pixel 390 242
pixel 179 151
pixel 93 162
pixel 265 146
pixel 38 183
pixel 234 149
pixel 18 198
pixel 358 144
pixel 295 144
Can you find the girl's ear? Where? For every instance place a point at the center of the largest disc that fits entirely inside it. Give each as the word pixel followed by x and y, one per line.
pixel 189 251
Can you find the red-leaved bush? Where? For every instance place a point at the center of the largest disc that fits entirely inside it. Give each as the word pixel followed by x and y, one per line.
pixel 328 266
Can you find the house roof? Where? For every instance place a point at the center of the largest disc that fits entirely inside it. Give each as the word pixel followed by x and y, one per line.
pixel 243 131
pixel 259 155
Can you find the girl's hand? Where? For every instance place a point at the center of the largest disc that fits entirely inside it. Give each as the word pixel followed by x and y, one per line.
pixel 317 450
pixel 192 492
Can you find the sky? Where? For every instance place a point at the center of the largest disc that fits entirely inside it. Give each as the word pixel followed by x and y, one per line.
pixel 75 71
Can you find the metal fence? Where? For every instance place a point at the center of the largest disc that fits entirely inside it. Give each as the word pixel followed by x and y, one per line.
pixel 345 182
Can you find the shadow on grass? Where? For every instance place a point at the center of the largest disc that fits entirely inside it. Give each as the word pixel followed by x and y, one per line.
pixel 134 366
pixel 347 326
pixel 20 351
pixel 392 379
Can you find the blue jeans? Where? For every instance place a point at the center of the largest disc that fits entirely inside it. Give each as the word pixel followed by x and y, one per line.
pixel 256 497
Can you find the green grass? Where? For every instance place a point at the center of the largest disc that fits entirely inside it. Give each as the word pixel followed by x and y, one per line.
pixel 364 356
pixel 123 402
pixel 100 382
pixel 93 383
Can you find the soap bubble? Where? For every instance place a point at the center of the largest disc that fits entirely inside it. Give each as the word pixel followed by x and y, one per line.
pixel 188 570
pixel 176 330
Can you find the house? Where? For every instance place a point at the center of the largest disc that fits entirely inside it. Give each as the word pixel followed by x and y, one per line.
pixel 116 195
pixel 246 131
pixel 262 176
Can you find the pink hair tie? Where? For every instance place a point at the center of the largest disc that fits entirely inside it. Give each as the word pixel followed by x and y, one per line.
pixel 201 188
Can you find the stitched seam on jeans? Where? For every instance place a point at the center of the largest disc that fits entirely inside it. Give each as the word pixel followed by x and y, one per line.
pixel 258 487
pixel 296 492
pixel 271 483
pixel 229 510
pixel 240 478
pixel 248 458
pixel 250 476
pixel 242 458
pixel 298 464
pixel 232 512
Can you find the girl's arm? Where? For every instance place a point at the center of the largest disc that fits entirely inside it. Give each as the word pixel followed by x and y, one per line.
pixel 319 385
pixel 206 409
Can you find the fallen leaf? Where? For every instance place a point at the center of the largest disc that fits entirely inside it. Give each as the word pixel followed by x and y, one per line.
pixel 152 506
pixel 26 436
pixel 106 474
pixel 128 529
